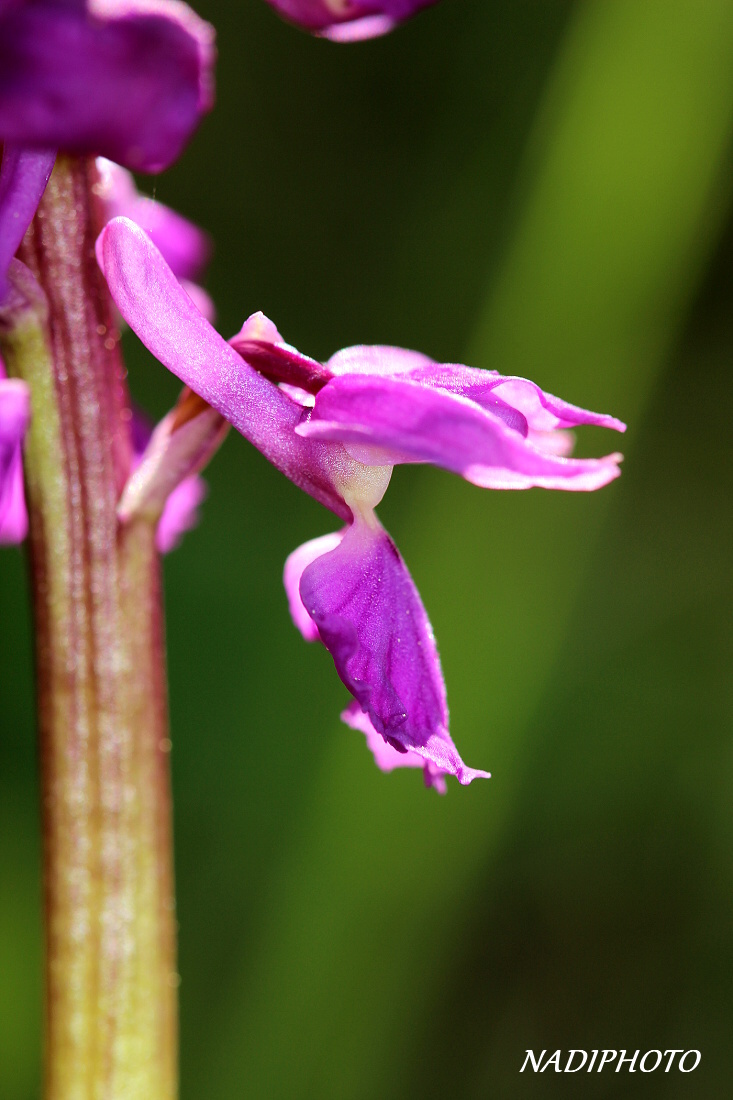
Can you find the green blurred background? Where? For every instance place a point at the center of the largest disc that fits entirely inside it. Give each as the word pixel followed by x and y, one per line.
pixel 541 187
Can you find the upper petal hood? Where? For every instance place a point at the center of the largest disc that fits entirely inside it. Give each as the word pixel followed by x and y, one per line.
pixel 379 359
pixel 518 401
pixel 412 422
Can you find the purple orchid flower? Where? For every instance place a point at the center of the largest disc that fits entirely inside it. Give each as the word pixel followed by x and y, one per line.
pixel 336 430
pixel 14 417
pixel 348 20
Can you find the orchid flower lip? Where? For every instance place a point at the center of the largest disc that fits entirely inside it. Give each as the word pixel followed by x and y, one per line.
pixel 353 592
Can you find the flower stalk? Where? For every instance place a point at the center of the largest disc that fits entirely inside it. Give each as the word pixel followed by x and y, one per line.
pixel 111 982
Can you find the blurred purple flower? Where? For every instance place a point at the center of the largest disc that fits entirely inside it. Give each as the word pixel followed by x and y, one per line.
pixel 129 79
pixel 348 20
pixel 187 248
pixel 164 481
pixel 178 510
pixel 24 174
pixel 336 430
pixel 180 513
pixel 14 417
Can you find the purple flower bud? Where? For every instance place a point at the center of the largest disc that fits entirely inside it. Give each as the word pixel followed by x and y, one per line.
pixel 348 20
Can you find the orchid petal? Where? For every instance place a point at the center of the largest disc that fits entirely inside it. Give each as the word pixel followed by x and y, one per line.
pixel 129 79
pixel 534 409
pixel 545 412
pixel 518 401
pixel 13 511
pixel 539 411
pixel 156 307
pixel 377 359
pixel 370 617
pixel 415 423
pixel 388 758
pixel 24 174
pixel 371 26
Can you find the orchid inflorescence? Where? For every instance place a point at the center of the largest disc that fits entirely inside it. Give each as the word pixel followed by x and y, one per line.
pixel 336 429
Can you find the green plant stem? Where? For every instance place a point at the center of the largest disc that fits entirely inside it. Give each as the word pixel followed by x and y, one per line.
pixel 111 983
